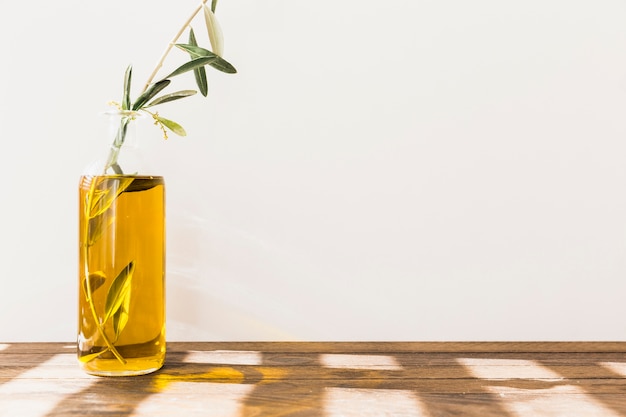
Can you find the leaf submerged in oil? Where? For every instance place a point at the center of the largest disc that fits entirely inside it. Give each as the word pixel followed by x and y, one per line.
pixel 120 318
pixel 96 280
pixel 104 192
pixel 119 293
pixel 143 184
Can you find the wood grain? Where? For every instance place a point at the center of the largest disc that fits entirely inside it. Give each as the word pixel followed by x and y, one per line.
pixel 327 379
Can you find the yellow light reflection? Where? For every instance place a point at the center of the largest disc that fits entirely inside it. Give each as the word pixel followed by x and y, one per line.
pixel 228 375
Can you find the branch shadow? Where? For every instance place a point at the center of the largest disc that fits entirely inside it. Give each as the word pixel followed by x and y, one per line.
pixel 15 360
pixel 297 384
pixel 596 370
pixel 117 396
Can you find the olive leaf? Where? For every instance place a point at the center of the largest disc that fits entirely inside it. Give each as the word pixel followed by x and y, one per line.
pixel 218 62
pixel 105 191
pixel 152 91
pixel 215 31
pixel 194 63
pixel 118 291
pixel 143 184
pixel 98 225
pixel 171 97
pixel 96 279
pixel 200 72
pixel 120 318
pixel 126 96
pixel 117 169
pixel 171 125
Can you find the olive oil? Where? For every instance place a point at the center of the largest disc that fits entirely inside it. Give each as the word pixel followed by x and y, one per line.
pixel 121 328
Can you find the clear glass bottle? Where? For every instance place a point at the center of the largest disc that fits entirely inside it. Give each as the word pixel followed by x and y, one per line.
pixel 121 308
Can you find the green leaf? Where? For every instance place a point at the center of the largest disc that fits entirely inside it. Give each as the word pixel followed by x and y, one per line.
pixel 118 291
pixel 201 80
pixel 214 30
pixel 103 194
pixel 200 72
pixel 171 97
pixel 213 5
pixel 152 91
pixel 96 280
pixel 222 65
pixel 195 51
pixel 194 63
pixel 126 96
pixel 117 168
pixel 218 62
pixel 171 125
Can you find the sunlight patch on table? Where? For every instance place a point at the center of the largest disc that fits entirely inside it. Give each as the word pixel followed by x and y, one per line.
pixel 616 367
pixel 347 361
pixel 192 398
pixel 372 403
pixel 225 357
pixel 559 401
pixel 59 375
pixel 3 346
pixel 485 368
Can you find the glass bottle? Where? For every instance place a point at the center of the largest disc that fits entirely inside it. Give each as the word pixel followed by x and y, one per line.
pixel 121 308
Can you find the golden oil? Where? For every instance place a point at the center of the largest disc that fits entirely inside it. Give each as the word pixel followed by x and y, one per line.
pixel 121 328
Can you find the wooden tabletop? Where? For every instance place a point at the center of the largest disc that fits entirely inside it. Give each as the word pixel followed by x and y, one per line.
pixel 327 379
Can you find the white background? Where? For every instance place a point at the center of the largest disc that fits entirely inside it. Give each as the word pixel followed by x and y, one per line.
pixel 377 170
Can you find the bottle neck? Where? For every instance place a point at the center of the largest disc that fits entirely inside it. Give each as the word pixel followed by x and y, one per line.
pixel 124 157
pixel 122 154
pixel 122 150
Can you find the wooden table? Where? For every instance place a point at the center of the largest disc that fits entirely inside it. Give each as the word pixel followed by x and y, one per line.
pixel 327 379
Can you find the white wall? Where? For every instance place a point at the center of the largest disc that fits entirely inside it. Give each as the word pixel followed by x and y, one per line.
pixel 402 170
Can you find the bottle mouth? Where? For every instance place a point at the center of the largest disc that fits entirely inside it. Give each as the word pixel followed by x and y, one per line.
pixel 132 114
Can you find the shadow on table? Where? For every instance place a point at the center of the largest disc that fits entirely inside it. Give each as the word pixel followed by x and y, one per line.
pixel 236 383
pixel 14 360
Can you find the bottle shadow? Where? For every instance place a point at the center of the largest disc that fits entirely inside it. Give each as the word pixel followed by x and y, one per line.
pixel 283 382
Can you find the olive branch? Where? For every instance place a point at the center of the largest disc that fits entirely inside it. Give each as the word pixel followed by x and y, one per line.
pixel 199 59
pixel 103 191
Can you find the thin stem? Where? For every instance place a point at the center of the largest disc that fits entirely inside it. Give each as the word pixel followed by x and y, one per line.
pixel 171 44
pixel 97 322
pixel 112 161
pixel 92 307
pixel 114 152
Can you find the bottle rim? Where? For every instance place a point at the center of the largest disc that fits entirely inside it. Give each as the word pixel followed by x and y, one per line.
pixel 134 114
